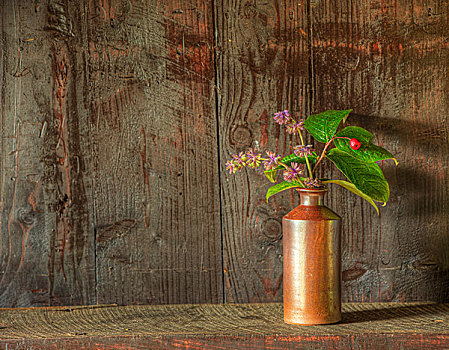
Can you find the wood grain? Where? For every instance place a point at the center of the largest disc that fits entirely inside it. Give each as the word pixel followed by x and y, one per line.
pixel 47 253
pixel 226 326
pixel 222 342
pixel 388 61
pixel 156 193
pixel 117 117
pixel 262 67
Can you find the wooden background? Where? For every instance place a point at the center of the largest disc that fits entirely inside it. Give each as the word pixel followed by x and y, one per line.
pixel 117 117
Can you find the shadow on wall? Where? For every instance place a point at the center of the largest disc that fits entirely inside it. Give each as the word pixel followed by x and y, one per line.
pixel 424 136
pixel 418 185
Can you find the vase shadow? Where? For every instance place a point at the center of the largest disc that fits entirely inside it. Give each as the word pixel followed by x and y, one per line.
pixel 391 312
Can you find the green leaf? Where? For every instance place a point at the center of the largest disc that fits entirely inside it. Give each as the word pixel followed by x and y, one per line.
pixel 282 187
pixel 367 177
pixel 351 187
pixel 271 174
pixel 323 126
pixel 368 151
pixel 294 158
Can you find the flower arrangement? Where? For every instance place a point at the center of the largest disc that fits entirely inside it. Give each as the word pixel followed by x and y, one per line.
pixel 353 154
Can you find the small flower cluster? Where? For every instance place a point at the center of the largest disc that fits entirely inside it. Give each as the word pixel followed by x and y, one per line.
pixel 282 117
pixel 292 126
pixel 302 151
pixel 272 162
pixel 313 183
pixel 237 162
pixel 252 159
pixel 295 127
pixel 292 172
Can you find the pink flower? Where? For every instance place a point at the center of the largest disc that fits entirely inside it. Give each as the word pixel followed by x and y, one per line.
pixel 282 117
pixel 272 161
pixel 302 151
pixel 231 166
pixel 239 159
pixel 292 172
pixel 294 127
pixel 253 159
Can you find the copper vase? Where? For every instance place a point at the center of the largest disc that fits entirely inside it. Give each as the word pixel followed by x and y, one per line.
pixel 311 242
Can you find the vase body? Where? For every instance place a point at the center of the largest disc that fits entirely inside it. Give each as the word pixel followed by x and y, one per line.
pixel 312 260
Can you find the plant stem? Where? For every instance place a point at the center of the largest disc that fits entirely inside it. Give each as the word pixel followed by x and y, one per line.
pixel 322 154
pixel 307 158
pixel 302 183
pixel 283 164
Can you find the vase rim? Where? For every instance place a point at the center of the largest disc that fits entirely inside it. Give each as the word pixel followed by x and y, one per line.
pixel 311 190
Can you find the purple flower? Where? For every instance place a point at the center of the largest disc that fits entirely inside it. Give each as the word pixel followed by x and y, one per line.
pixel 282 117
pixel 302 151
pixel 239 159
pixel 272 161
pixel 294 127
pixel 292 172
pixel 253 159
pixel 231 166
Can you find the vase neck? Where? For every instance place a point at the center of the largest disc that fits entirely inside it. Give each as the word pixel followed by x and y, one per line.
pixel 311 197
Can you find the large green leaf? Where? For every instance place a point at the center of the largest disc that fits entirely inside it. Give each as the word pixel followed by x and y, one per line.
pixel 351 187
pixel 271 174
pixel 367 177
pixel 368 151
pixel 323 126
pixel 282 187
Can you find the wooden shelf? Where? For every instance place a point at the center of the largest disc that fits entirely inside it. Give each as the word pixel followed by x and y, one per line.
pixel 228 326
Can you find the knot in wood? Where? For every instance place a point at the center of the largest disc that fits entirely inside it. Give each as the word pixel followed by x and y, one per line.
pixel 25 216
pixel 241 136
pixel 272 229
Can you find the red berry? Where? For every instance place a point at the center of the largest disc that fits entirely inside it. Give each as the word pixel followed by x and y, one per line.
pixel 354 144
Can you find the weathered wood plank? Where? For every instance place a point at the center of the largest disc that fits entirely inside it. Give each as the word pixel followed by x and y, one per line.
pixel 151 72
pixel 226 326
pixel 255 342
pixel 262 67
pixel 389 62
pixel 47 253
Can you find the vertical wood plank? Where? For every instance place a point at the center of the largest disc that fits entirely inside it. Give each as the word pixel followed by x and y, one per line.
pixel 262 67
pixel 47 252
pixel 389 62
pixel 156 192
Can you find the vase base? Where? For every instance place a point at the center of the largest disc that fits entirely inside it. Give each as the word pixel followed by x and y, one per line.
pixel 315 322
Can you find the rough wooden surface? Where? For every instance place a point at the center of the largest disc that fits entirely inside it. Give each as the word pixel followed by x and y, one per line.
pixel 47 246
pixel 157 222
pixel 255 326
pixel 388 61
pixel 262 66
pixel 109 189
pixel 118 115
